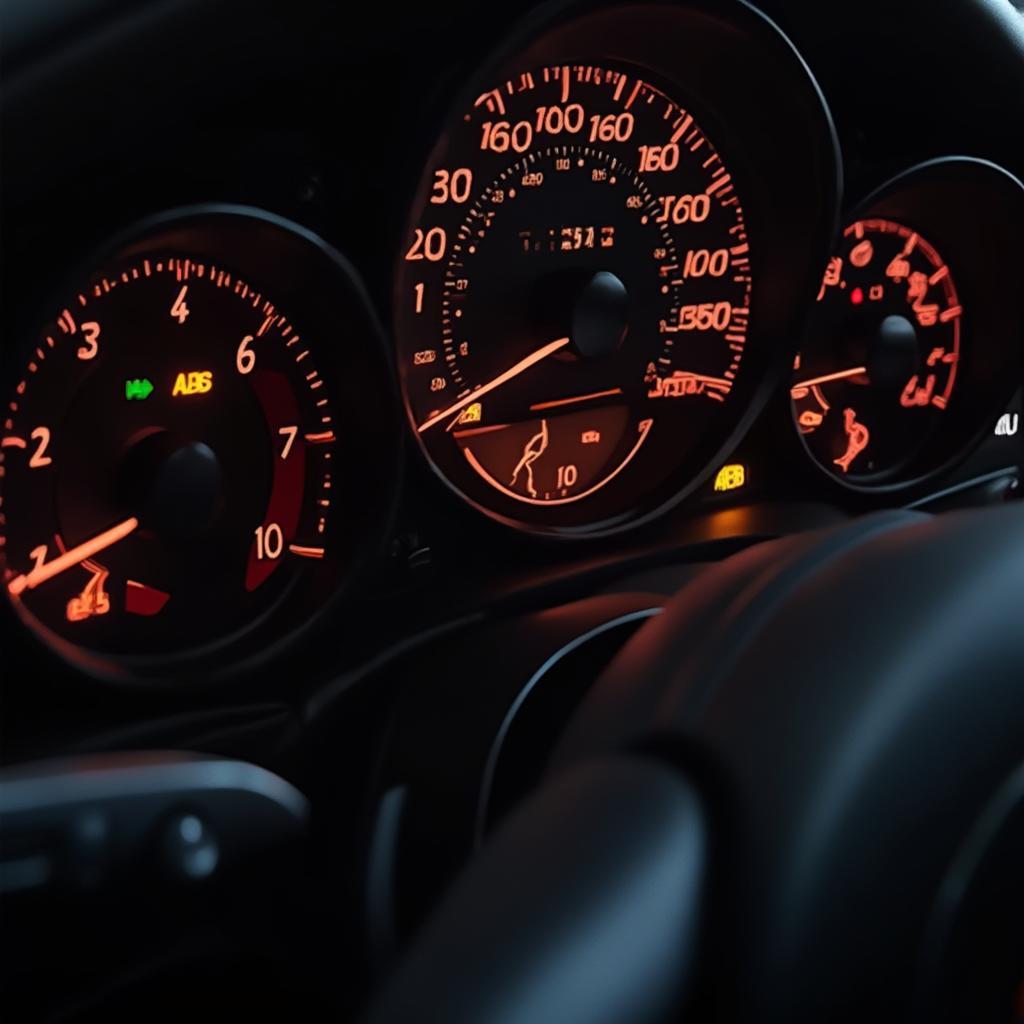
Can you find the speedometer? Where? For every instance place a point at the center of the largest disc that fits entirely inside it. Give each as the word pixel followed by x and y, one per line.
pixel 575 302
pixel 575 298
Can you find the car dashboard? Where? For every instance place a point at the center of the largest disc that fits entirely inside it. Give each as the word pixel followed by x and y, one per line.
pixel 370 377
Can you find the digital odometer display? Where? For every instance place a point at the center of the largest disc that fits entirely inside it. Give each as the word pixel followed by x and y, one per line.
pixel 573 298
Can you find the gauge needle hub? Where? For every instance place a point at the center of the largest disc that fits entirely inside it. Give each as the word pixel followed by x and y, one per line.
pixel 827 378
pixel 496 382
pixel 72 557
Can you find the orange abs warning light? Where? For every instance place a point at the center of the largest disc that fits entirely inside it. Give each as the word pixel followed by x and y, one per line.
pixel 732 477
pixel 195 382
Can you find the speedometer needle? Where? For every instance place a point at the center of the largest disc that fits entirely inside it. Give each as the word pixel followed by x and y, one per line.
pixel 829 377
pixel 502 378
pixel 71 558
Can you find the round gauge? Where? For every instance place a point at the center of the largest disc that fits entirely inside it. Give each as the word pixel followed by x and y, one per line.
pixel 590 300
pixel 175 452
pixel 575 302
pixel 879 365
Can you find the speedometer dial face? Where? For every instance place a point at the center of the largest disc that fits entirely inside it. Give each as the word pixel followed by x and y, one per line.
pixel 573 297
pixel 879 366
pixel 174 455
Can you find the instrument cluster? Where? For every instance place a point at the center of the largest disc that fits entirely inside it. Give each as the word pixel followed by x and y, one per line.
pixel 623 290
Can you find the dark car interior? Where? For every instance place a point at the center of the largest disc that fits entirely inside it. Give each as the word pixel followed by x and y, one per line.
pixel 512 512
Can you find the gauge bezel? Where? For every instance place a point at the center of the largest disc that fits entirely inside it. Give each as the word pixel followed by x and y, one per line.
pixel 790 222
pixel 322 293
pixel 965 207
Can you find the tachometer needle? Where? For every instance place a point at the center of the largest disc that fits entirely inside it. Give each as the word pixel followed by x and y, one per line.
pixel 829 377
pixel 72 557
pixel 502 378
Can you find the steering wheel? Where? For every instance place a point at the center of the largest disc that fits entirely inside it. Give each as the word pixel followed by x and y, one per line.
pixel 796 795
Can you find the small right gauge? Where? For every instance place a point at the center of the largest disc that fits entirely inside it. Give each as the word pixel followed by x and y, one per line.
pixel 914 344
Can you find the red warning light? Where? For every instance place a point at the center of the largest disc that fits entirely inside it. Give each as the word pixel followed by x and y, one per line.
pixel 142 600
pixel 857 296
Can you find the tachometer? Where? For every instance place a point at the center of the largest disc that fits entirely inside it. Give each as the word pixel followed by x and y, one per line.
pixel 177 449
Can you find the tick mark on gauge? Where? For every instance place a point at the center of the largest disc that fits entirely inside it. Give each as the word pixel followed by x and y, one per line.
pixel 306 552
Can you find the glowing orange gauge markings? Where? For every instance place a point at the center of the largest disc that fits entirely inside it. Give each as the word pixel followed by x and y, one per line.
pixel 683 383
pixel 578 202
pixel 858 437
pixel 173 463
pixel 503 378
pixel 887 302
pixel 93 600
pixel 48 570
pixel 306 552
pixel 644 430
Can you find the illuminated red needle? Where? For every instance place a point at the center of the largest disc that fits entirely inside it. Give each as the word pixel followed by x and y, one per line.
pixel 502 378
pixel 71 558
pixel 839 375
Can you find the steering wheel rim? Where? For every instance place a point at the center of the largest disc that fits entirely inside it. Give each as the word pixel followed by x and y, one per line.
pixel 839 709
